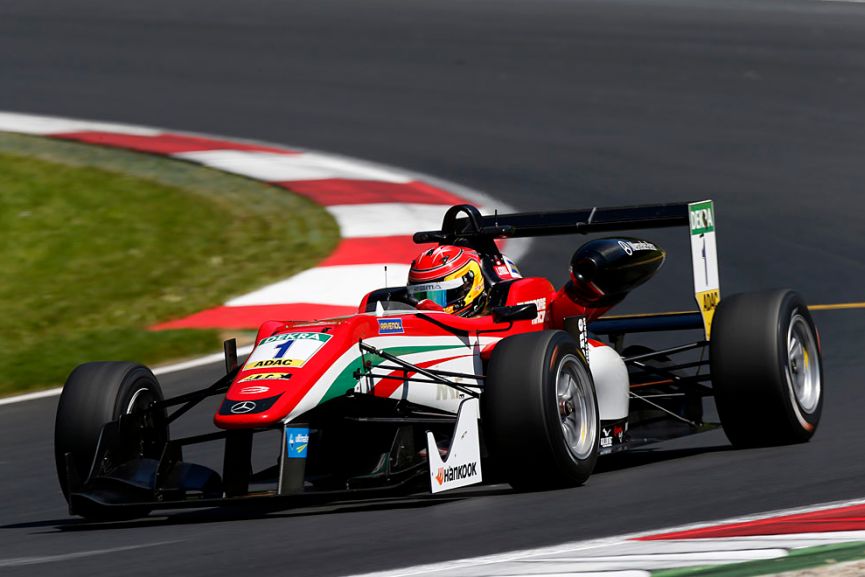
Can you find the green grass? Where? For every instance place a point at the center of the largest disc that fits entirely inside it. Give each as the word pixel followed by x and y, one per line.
pixel 98 244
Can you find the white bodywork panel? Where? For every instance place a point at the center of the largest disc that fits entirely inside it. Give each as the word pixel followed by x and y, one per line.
pixel 611 382
pixel 451 353
pixel 442 397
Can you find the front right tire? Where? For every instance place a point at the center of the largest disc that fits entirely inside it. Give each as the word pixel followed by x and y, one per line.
pixel 539 411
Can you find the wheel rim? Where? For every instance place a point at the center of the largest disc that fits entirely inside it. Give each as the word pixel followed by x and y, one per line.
pixel 140 400
pixel 803 364
pixel 147 435
pixel 576 405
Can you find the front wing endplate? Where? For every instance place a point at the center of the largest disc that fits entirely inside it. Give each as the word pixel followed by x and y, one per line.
pixel 463 464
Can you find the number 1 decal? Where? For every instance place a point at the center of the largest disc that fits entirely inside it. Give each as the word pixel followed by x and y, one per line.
pixel 282 348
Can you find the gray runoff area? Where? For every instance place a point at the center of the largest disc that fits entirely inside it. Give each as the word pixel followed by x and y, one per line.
pixel 544 104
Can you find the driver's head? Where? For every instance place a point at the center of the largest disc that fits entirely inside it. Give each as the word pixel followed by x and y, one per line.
pixel 451 277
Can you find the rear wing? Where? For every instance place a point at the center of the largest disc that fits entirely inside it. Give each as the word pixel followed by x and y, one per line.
pixel 532 224
pixel 464 225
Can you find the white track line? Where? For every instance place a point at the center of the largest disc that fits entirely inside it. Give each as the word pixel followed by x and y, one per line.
pixel 31 396
pixel 199 362
pixel 23 561
pixel 163 370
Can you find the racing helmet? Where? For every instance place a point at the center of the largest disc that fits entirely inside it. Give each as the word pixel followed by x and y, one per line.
pixel 451 277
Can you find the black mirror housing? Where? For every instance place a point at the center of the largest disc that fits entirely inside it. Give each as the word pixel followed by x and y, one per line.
pixel 523 312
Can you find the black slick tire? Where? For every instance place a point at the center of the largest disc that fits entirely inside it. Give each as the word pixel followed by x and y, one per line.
pixel 767 371
pixel 98 393
pixel 524 418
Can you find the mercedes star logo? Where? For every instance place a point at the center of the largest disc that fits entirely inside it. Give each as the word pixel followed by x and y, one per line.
pixel 242 407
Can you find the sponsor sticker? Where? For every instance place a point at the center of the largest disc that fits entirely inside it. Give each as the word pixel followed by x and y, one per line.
pixel 506 269
pixel 434 286
pixel 583 329
pixel 276 363
pixel 296 442
pixel 702 217
pixel 512 266
pixel 704 258
pixel 446 393
pixel 613 435
pixel 632 247
pixel 254 390
pixel 319 337
pixel 458 473
pixel 238 407
pixel 390 326
pixel 243 407
pixel 264 377
pixel 286 350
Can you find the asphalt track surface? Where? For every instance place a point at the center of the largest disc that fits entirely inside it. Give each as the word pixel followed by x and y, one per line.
pixel 544 104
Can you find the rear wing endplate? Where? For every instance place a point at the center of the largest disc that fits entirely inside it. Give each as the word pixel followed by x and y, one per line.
pixel 704 260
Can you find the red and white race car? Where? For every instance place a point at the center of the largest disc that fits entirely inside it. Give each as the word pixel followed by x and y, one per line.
pixel 406 397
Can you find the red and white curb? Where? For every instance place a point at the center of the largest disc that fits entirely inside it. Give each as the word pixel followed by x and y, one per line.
pixel 764 537
pixel 376 207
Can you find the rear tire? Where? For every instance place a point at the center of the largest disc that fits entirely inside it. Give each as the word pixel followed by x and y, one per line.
pixel 96 394
pixel 767 371
pixel 539 411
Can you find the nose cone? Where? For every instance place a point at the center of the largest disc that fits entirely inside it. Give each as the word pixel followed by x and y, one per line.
pixel 293 368
pixel 281 370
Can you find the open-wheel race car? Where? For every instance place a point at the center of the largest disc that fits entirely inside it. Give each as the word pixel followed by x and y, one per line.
pixel 403 397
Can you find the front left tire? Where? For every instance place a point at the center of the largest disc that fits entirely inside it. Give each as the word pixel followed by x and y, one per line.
pixel 98 393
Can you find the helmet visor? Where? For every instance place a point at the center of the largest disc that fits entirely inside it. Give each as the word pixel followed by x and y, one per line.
pixel 442 293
